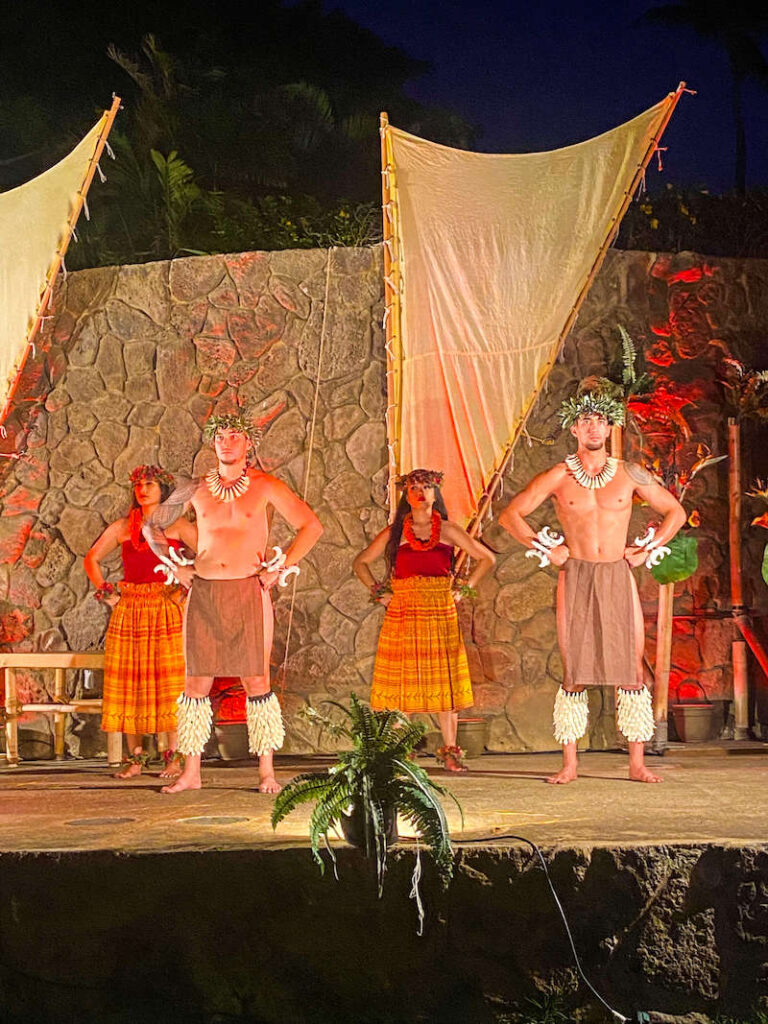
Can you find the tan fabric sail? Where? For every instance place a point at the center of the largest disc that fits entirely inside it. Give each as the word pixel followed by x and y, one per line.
pixel 487 255
pixel 35 220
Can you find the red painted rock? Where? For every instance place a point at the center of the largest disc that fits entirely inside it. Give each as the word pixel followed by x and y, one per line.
pixel 15 625
pixel 214 355
pixel 252 331
pixel 250 272
pixel 21 500
pixel 14 532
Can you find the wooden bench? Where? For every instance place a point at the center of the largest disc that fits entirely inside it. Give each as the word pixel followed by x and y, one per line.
pixel 59 661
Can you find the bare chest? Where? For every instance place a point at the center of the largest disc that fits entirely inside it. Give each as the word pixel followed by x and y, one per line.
pixel 572 498
pixel 247 511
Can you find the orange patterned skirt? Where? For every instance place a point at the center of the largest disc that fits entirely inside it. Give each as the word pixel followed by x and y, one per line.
pixel 143 660
pixel 421 664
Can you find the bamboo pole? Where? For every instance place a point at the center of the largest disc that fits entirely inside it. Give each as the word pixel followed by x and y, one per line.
pixel 738 648
pixel 617 441
pixel 59 721
pixel 11 717
pixel 664 623
pixel 489 493
pixel 740 698
pixel 734 519
pixel 752 640
pixel 392 305
pixel 55 267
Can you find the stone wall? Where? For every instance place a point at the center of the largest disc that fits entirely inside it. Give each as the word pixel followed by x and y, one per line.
pixel 136 358
pixel 258 935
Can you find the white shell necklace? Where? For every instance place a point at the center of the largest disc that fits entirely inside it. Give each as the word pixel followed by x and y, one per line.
pixel 583 478
pixel 225 491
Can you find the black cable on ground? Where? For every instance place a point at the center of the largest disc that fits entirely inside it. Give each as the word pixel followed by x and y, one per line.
pixel 508 835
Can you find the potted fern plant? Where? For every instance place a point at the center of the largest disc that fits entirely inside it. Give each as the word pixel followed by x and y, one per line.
pixel 368 786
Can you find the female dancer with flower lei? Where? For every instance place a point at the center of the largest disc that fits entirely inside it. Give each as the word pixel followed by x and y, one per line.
pixel 143 655
pixel 421 665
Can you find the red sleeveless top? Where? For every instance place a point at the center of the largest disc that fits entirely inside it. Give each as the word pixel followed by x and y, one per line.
pixel 139 566
pixel 435 562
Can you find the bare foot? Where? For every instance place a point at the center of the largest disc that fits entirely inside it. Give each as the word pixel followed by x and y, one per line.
pixel 269 784
pixel 185 781
pixel 643 774
pixel 130 771
pixel 564 776
pixel 173 768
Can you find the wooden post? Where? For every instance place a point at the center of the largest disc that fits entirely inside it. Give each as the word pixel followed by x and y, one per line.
pixel 392 305
pixel 59 721
pixel 617 441
pixel 664 624
pixel 114 747
pixel 740 703
pixel 734 519
pixel 740 683
pixel 11 719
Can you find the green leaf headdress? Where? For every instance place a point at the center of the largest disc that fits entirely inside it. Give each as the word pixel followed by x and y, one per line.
pixel 597 396
pixel 233 421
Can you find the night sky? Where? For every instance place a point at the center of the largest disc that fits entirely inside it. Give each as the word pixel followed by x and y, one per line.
pixel 530 76
pixel 542 75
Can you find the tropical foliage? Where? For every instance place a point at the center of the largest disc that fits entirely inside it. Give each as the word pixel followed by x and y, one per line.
pixel 745 389
pixel 759 491
pixel 677 474
pixel 375 778
pixel 267 141
pixel 675 218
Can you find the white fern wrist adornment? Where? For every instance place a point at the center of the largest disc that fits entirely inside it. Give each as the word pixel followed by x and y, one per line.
pixel 656 552
pixel 545 541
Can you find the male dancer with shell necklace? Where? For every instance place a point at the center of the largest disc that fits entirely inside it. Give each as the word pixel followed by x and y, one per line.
pixel 600 626
pixel 228 619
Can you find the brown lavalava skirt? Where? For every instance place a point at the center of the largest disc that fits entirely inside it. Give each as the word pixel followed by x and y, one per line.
pixel 224 628
pixel 599 624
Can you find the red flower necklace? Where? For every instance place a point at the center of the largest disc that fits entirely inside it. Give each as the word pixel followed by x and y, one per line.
pixel 413 540
pixel 135 522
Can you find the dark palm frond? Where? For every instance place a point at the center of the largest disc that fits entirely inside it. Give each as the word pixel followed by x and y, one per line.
pixel 389 722
pixel 629 356
pixel 326 814
pixel 379 831
pixel 375 778
pixel 300 790
pixel 406 738
pixel 414 809
pixel 419 778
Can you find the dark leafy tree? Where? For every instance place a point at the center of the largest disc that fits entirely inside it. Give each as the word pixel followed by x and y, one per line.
pixel 737 26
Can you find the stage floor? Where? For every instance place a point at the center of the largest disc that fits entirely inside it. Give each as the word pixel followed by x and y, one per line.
pixel 710 795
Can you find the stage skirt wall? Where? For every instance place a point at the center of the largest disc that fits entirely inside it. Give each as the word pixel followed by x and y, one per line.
pixel 421 664
pixel 143 660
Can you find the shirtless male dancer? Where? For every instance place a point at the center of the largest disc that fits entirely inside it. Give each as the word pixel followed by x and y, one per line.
pixel 600 627
pixel 228 622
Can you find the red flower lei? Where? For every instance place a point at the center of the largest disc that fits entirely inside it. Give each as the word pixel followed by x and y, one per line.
pixel 413 540
pixel 135 521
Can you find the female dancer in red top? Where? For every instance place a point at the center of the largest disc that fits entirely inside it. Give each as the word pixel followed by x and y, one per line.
pixel 421 664
pixel 143 653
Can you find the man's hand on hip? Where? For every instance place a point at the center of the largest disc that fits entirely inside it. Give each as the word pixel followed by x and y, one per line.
pixel 635 556
pixel 559 555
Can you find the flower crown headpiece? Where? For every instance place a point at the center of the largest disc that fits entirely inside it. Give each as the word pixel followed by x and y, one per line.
pixel 233 421
pixel 426 477
pixel 592 403
pixel 156 473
